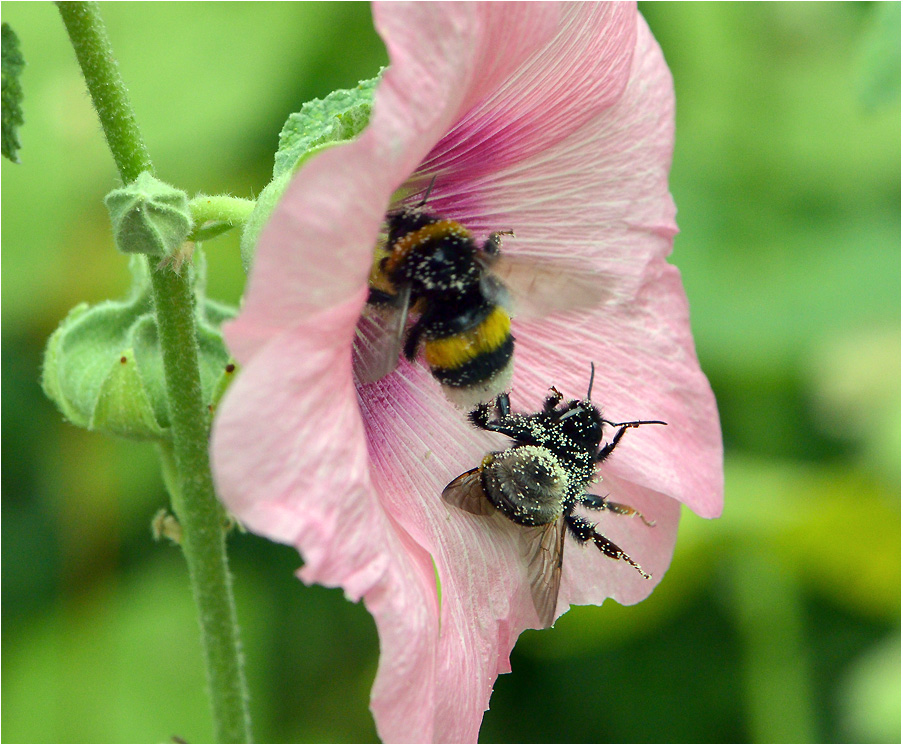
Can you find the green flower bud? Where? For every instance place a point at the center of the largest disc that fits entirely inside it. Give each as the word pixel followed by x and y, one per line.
pixel 149 217
pixel 103 366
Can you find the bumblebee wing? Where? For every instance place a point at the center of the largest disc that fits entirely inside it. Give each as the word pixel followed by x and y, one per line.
pixel 534 288
pixel 541 547
pixel 466 492
pixel 380 336
pixel 544 549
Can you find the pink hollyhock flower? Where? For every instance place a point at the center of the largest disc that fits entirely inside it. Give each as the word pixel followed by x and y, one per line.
pixel 551 120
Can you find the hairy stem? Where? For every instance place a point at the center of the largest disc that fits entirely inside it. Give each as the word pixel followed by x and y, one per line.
pixel 186 460
pixel 216 213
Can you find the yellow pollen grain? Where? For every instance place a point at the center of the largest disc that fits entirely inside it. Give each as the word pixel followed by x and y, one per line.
pixel 439 229
pixel 452 352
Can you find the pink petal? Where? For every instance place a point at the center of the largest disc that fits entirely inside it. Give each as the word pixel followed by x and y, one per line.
pixel 646 368
pixel 419 442
pixel 582 71
pixel 317 249
pixel 598 197
pixel 275 454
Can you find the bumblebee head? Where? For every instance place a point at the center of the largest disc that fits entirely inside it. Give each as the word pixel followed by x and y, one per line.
pixel 581 422
pixel 408 220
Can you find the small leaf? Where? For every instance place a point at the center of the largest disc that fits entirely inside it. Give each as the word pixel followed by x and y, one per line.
pixel 227 375
pixel 341 116
pixel 320 124
pixel 123 407
pixel 12 117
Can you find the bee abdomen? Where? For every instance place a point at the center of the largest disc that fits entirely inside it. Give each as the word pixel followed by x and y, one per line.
pixel 526 483
pixel 474 355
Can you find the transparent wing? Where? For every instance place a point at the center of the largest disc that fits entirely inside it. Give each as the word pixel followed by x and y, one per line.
pixel 380 337
pixel 543 548
pixel 466 492
pixel 534 288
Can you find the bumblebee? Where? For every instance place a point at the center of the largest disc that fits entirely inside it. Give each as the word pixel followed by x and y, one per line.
pixel 433 267
pixel 539 481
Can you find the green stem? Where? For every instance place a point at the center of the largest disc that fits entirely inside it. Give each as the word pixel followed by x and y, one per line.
pixel 775 671
pixel 111 99
pixel 185 462
pixel 216 213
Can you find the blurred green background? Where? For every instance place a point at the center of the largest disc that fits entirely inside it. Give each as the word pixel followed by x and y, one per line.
pixel 779 622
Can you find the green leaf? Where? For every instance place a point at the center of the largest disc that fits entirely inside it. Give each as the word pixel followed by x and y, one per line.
pixel 339 117
pixel 51 371
pixel 123 406
pixel 266 202
pixel 12 117
pixel 320 124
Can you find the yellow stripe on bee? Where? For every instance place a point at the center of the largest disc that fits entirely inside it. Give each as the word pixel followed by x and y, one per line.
pixel 452 352
pixel 439 229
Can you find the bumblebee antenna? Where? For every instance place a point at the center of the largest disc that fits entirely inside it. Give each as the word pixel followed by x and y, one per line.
pixel 635 423
pixel 592 375
pixel 429 189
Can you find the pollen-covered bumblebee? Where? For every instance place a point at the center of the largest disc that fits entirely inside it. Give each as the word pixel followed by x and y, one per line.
pixel 432 266
pixel 539 481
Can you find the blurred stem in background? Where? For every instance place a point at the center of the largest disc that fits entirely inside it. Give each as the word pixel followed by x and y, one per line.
pixel 777 673
pixel 186 461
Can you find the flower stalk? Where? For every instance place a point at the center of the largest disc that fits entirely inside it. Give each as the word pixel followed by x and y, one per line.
pixel 186 461
pixel 216 213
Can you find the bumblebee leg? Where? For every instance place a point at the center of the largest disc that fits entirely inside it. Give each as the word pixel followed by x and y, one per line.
pixel 413 341
pixel 582 530
pixel 513 430
pixel 635 423
pixel 480 417
pixel 553 400
pixel 623 426
pixel 596 502
pixel 493 244
pixel 605 452
pixel 381 297
pixel 511 425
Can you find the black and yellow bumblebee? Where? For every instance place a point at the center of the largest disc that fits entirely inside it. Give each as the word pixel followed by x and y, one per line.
pixel 463 295
pixel 539 481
